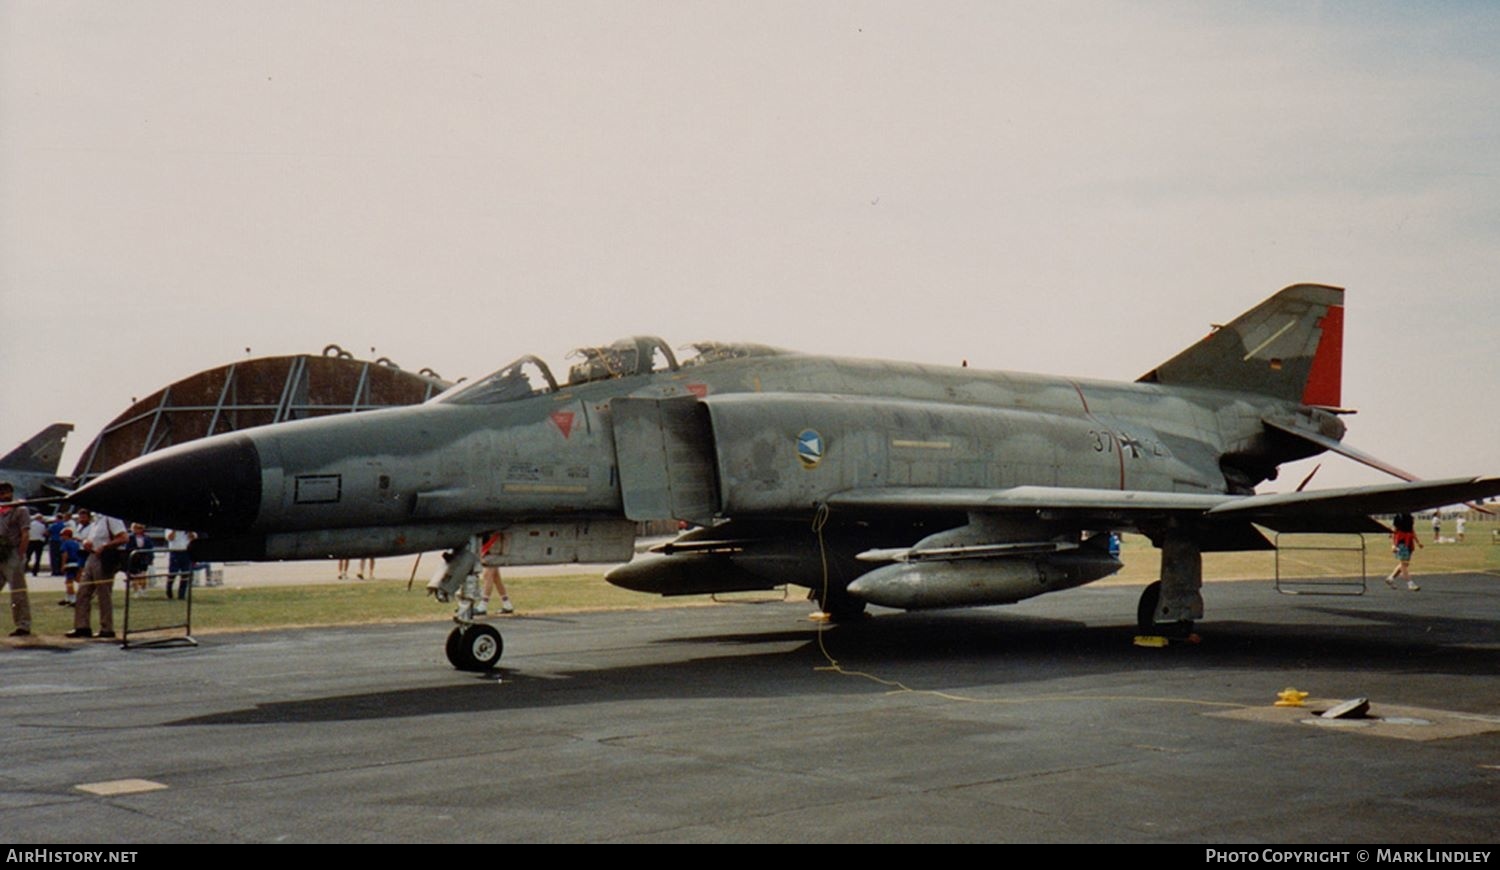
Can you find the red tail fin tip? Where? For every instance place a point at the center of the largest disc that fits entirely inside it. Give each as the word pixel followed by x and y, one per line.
pixel 1325 380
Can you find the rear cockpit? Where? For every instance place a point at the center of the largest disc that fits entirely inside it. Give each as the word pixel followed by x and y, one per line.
pixel 705 352
pixel 628 357
pixel 637 355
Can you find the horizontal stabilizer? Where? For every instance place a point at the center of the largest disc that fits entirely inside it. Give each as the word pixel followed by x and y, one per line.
pixel 1340 448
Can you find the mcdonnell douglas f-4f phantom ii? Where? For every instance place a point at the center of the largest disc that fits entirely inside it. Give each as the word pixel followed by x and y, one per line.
pixel 908 486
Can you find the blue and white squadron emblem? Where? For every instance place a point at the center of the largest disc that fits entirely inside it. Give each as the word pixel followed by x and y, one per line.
pixel 809 448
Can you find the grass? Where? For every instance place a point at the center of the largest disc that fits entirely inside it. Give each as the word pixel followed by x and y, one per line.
pixel 280 606
pixel 264 607
pixel 1477 553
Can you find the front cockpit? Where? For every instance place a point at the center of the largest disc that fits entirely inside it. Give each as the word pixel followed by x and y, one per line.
pixel 629 357
pixel 522 379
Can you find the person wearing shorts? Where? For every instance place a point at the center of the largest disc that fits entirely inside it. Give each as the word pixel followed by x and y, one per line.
pixel 1403 543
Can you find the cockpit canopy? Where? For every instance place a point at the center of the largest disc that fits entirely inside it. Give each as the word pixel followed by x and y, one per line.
pixel 628 357
pixel 637 355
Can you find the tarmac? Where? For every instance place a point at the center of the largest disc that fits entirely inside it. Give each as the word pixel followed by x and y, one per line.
pixel 1038 722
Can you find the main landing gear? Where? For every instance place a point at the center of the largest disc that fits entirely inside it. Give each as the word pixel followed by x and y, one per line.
pixel 471 646
pixel 1146 610
pixel 1169 606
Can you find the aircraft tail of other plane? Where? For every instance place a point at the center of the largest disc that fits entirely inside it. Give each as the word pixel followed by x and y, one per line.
pixel 41 452
pixel 1289 347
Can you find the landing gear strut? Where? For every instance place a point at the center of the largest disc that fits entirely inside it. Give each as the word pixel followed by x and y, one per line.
pixel 472 646
pixel 1169 606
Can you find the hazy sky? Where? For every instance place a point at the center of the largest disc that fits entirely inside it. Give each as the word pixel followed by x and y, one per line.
pixel 1077 188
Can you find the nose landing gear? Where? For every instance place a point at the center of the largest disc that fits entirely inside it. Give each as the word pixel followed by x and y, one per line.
pixel 474 647
pixel 471 646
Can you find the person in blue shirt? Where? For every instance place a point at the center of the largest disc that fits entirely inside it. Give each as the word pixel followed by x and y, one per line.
pixel 72 562
pixel 54 543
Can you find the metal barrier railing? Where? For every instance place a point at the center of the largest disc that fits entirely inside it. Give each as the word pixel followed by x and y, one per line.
pixel 149 611
pixel 1326 579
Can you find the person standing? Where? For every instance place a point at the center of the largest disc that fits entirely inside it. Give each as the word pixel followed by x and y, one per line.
pixel 54 541
pixel 102 539
pixel 179 563
pixel 140 550
pixel 15 532
pixel 1459 522
pixel 36 542
pixel 360 575
pixel 490 555
pixel 1403 542
pixel 1437 527
pixel 72 556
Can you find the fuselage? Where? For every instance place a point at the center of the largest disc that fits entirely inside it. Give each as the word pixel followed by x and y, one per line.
pixel 778 433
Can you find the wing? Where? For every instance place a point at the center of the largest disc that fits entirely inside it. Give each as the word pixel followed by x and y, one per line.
pixel 1017 542
pixel 1326 510
pixel 1217 516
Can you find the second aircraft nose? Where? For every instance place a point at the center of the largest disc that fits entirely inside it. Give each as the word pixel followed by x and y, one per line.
pixel 207 486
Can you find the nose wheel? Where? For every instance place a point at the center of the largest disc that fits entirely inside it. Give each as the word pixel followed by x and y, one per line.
pixel 474 647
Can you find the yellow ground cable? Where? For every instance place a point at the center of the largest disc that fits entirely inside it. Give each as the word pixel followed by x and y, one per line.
pixel 820 519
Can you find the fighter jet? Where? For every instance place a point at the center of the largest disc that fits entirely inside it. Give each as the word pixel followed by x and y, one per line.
pixel 32 467
pixel 903 485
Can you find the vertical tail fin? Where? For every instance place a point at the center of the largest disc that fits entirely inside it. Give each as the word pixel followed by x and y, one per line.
pixel 1290 347
pixel 41 452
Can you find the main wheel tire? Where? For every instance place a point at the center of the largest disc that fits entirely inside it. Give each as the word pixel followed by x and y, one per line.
pixel 1146 611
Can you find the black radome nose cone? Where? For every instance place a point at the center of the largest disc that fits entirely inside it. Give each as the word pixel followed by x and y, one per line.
pixel 208 486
